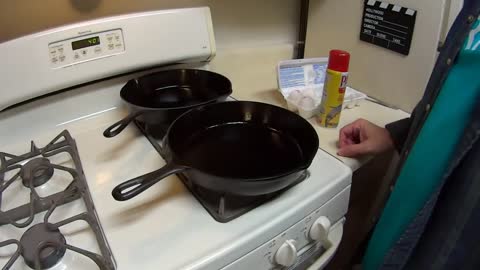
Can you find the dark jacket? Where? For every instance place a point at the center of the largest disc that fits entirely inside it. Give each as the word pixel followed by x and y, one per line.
pixel 444 234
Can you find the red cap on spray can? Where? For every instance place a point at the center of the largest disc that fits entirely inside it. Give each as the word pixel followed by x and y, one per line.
pixel 338 60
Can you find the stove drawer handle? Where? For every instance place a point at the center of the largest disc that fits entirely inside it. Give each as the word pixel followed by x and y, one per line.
pixel 119 126
pixel 135 186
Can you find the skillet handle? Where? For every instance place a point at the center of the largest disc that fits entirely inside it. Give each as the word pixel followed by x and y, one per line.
pixel 116 128
pixel 135 186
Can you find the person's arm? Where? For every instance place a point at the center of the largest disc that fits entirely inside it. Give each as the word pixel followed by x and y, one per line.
pixel 399 129
pixel 398 132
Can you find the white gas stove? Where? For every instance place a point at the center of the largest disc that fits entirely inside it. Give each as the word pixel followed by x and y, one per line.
pixel 62 216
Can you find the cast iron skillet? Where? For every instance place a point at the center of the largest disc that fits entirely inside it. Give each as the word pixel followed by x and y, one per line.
pixel 238 147
pixel 159 98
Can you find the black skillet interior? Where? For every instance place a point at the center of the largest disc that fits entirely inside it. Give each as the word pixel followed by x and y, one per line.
pixel 243 140
pixel 176 88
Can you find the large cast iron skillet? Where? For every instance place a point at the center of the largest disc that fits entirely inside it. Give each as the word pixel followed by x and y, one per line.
pixel 239 147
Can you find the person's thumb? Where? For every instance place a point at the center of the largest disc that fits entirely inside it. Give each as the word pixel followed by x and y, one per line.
pixel 353 150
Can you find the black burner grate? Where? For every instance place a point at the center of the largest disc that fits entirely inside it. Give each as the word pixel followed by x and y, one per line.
pixel 43 245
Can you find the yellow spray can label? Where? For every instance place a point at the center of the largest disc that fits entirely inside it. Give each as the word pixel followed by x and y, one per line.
pixel 332 100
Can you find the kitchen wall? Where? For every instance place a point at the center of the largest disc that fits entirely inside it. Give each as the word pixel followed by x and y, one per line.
pixel 251 35
pixel 388 76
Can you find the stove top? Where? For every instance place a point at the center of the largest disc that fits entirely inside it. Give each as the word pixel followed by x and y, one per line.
pixel 44 201
pixel 222 207
pixel 166 227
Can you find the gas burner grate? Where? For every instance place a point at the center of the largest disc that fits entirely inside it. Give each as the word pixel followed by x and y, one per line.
pixel 226 207
pixel 222 207
pixel 43 245
pixel 28 173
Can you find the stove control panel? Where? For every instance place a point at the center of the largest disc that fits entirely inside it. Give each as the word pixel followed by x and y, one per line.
pixel 86 48
pixel 312 238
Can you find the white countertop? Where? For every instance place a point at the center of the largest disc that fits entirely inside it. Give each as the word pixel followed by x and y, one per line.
pixel 371 111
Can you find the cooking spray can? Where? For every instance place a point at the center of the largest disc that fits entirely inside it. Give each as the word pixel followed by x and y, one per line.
pixel 334 88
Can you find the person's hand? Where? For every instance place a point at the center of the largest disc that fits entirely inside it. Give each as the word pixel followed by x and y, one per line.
pixel 363 138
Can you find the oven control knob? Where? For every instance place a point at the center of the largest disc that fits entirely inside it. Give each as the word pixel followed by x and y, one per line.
pixel 320 229
pixel 287 253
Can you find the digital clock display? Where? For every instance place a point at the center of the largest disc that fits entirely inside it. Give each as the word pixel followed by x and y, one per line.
pixel 91 41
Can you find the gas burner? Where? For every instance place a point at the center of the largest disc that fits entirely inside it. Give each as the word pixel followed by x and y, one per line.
pixel 43 246
pixel 36 172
